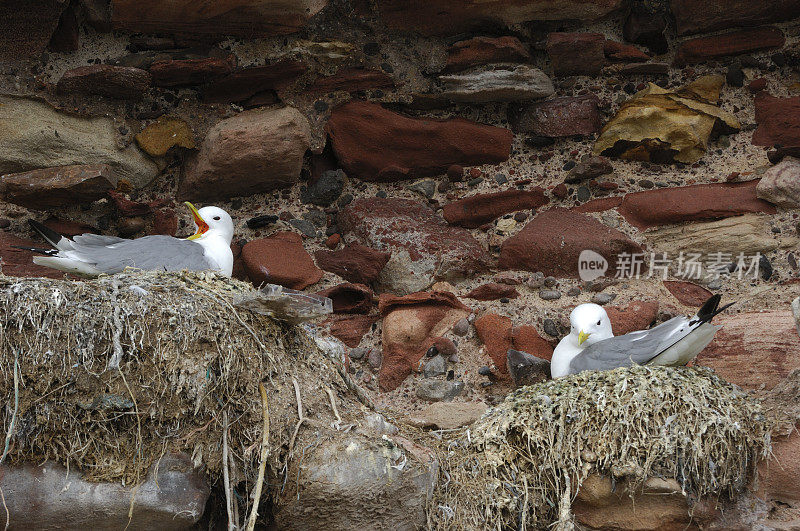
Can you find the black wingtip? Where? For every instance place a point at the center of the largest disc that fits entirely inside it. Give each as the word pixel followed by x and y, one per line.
pixel 51 236
pixel 46 252
pixel 711 308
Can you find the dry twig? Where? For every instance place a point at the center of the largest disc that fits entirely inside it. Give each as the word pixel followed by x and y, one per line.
pixel 251 523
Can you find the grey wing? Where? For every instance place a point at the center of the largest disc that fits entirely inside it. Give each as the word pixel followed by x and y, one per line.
pixel 636 347
pixel 112 255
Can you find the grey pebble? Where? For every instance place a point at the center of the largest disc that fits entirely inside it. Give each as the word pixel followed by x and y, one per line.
pixel 375 358
pixel 437 390
pixel 461 328
pixel 574 292
pixel 549 294
pixel 426 187
pixel 604 298
pixel 484 371
pixel 357 353
pixel 550 328
pixel 304 226
pixel 434 367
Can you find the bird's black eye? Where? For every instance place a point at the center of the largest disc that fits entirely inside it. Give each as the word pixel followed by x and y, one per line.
pixel 598 322
pixel 216 218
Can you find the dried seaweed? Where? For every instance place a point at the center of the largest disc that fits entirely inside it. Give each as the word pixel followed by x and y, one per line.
pixel 521 464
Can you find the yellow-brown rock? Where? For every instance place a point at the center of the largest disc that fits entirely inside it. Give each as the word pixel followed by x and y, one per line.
pixel 166 132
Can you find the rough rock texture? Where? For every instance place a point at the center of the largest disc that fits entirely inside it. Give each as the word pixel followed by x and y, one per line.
pixel 492 291
pixel 182 72
pixel 447 17
pixel 58 187
pixel 778 121
pixel 352 80
pixel 34 135
pixel 498 335
pixel 651 208
pixel 576 54
pixel 734 43
pixel 478 209
pixel 354 262
pixel 423 246
pixel 687 293
pixel 637 315
pixel 255 151
pixel 779 476
pixel 350 329
pixel 165 133
pixel 375 144
pixel 364 472
pixel 526 369
pixel 280 259
pixel 121 82
pixel 572 115
pixel 447 415
pixel 754 349
pixel 26 26
pixel 410 326
pixel 700 17
pixel 617 51
pixel 780 185
pixel 18 262
pixel 497 83
pixel 483 50
pixel 553 240
pixel 349 298
pixel 49 496
pixel 246 83
pixel 248 18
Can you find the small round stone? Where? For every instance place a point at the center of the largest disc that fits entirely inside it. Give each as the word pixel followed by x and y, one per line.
pixel 484 371
pixel 574 292
pixel 550 294
pixel 603 298
pixel 550 281
pixel 550 327
pixel 357 353
pixel 461 328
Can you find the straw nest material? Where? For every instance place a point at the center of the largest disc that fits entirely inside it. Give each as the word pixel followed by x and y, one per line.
pixel 110 374
pixel 520 465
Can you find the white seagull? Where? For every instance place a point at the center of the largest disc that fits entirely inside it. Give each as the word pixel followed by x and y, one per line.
pixel 591 345
pixel 209 248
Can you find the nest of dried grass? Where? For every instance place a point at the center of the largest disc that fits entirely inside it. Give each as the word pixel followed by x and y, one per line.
pixel 115 372
pixel 521 464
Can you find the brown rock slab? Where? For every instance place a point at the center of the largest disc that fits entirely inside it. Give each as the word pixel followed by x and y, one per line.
pixel 754 349
pixel 252 152
pixel 639 69
pixel 780 185
pixel 492 291
pixel 553 240
pixel 351 80
pixel 410 326
pixel 165 133
pixel 354 262
pixel 183 72
pixel 687 293
pixel 527 339
pixel 576 54
pixel 448 415
pixel 350 329
pixel 778 121
pixel 474 211
pixel 165 221
pixel 424 247
pixel 779 476
pixel 558 117
pixel 58 187
pixel 494 331
pixel 664 206
pixel 598 205
pixel 349 298
pixel 247 18
pixel 27 25
pixel 66 37
pixel 484 50
pixel 121 82
pixel 702 17
pixel 280 259
pixel 246 83
pixel 375 144
pixel 18 262
pixel 626 53
pixel 735 43
pixel 637 315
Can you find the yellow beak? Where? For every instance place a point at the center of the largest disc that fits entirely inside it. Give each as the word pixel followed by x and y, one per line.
pixel 583 336
pixel 202 226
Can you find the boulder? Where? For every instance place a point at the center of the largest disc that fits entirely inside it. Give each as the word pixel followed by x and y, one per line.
pixel 735 43
pixel 474 211
pixel 424 247
pixel 484 50
pixel 354 262
pixel 526 369
pixel 58 187
pixel 252 152
pixel 26 26
pixel 280 259
pixel 121 82
pixel 350 329
pixel 780 185
pixel 34 135
pixel 558 117
pixel 702 17
pixel 498 335
pixel 49 496
pixel 778 121
pixel 497 83
pixel 375 144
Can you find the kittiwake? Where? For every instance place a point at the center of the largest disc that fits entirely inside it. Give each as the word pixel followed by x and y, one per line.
pixel 591 345
pixel 209 248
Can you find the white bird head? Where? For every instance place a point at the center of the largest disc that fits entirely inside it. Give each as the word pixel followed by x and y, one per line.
pixel 590 324
pixel 211 221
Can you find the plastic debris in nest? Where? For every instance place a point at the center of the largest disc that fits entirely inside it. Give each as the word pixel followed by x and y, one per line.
pixel 285 304
pixel 522 462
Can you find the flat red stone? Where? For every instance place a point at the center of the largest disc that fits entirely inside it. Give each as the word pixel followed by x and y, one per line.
pixel 476 210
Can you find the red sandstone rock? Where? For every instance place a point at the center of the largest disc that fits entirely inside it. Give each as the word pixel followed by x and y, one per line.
pixel 478 209
pixel 687 293
pixel 637 315
pixel 280 259
pixel 410 326
pixel 778 121
pixel 165 221
pixel 599 205
pixel 58 187
pixel 734 43
pixel 181 72
pixel 692 203
pixel 120 82
pixel 66 37
pixel 350 329
pixel 444 346
pixel 757 85
pixel 68 227
pixel 557 117
pixel 498 335
pixel 779 476
pixel 553 240
pixel 560 191
pixel 349 298
pixel 247 83
pixel 26 26
pixel 527 339
pixel 375 144
pixel 578 54
pixel 351 80
pixel 753 349
pixel 492 291
pixel 18 262
pixel 626 53
pixel 424 246
pixel 485 50
pixel 355 262
pixel 128 208
pixel 692 16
